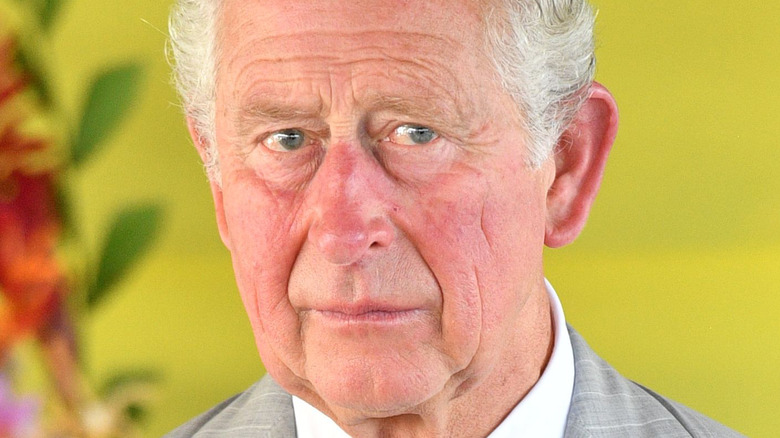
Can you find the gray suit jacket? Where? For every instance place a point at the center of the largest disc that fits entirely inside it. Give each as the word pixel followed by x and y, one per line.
pixel 604 404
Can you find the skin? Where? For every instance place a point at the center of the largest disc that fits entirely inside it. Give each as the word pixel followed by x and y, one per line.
pixel 397 287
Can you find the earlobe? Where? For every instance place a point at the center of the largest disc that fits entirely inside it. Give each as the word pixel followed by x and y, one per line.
pixel 580 159
pixel 216 191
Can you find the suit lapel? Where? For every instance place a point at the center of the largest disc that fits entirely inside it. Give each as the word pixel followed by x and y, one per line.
pixel 275 404
pixel 586 378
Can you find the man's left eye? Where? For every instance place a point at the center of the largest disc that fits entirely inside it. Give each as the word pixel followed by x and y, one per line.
pixel 411 135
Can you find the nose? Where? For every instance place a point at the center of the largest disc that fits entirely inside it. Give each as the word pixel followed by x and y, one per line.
pixel 350 206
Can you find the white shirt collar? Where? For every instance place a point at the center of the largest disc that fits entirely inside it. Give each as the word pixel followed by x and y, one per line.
pixel 542 412
pixel 311 423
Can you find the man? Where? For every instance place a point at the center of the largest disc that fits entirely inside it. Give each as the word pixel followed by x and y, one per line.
pixel 385 175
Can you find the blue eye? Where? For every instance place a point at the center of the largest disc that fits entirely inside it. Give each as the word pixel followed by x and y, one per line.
pixel 285 140
pixel 411 135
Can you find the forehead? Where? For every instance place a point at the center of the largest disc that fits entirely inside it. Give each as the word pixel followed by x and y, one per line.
pixel 286 37
pixel 447 18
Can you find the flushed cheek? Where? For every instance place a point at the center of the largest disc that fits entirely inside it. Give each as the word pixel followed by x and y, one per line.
pixel 483 245
pixel 445 230
pixel 264 244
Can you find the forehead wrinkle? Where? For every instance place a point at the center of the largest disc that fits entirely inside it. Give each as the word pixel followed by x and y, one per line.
pixel 267 100
pixel 433 90
pixel 248 72
pixel 352 35
pixel 407 86
pixel 432 43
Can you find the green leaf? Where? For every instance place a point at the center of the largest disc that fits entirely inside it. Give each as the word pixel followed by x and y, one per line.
pixel 64 205
pixel 126 379
pixel 33 68
pixel 109 99
pixel 137 413
pixel 49 12
pixel 130 236
pixel 134 389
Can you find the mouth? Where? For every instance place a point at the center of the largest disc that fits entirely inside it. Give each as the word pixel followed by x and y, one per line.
pixel 352 314
pixel 377 316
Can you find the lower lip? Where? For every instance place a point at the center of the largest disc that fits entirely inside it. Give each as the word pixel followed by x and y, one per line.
pixel 376 317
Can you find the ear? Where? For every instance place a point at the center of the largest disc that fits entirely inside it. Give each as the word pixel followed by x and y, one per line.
pixel 216 190
pixel 580 158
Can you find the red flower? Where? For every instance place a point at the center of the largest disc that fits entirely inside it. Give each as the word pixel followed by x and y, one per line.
pixel 31 281
pixel 10 83
pixel 30 277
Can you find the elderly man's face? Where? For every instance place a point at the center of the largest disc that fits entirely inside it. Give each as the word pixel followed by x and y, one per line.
pixel 385 230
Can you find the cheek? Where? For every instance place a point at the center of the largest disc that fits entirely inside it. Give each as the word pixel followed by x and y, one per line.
pixel 514 230
pixel 482 240
pixel 265 242
pixel 444 227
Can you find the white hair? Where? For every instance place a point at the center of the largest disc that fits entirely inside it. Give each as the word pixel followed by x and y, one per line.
pixel 194 37
pixel 542 51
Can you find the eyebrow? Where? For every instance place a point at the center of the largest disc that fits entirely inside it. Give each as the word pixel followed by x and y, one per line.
pixel 263 111
pixel 425 109
pixel 421 108
pixel 437 111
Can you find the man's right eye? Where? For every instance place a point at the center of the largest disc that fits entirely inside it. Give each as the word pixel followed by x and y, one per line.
pixel 413 135
pixel 285 140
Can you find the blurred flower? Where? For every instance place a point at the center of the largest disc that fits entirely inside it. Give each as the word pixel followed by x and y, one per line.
pixel 18 418
pixel 31 281
pixel 37 152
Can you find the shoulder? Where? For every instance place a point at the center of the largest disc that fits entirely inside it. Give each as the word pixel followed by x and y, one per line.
pixel 264 409
pixel 606 404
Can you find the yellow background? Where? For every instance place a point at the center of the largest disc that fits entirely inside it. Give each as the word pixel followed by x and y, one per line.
pixel 675 281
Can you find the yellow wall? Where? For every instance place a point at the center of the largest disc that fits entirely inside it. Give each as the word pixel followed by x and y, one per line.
pixel 675 280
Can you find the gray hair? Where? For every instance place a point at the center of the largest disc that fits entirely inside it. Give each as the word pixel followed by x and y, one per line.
pixel 542 51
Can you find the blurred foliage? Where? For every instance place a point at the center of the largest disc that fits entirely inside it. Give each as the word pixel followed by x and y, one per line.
pixel 133 231
pixel 40 298
pixel 109 99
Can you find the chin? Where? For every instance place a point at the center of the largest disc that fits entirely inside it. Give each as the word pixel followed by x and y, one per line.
pixel 377 388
